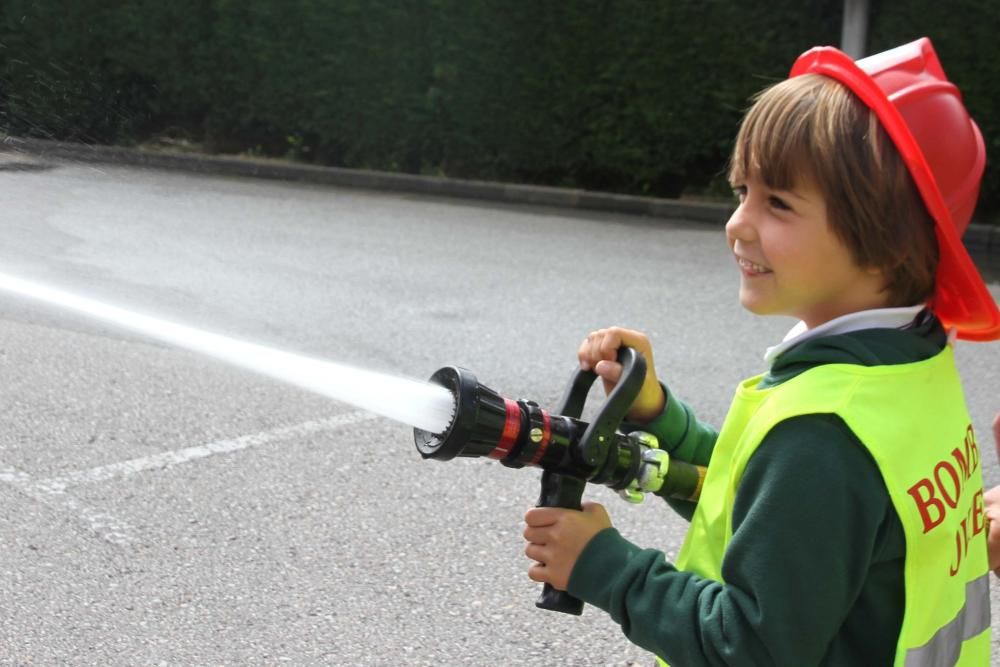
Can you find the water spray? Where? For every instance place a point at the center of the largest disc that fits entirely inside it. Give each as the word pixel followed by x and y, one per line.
pixel 569 451
pixel 411 402
pixel 453 415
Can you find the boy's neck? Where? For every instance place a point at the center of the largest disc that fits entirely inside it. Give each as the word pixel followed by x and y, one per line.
pixel 884 318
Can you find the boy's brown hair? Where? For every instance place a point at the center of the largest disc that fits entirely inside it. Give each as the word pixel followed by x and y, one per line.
pixel 812 127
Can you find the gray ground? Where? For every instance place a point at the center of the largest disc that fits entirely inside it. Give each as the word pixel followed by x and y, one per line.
pixel 160 508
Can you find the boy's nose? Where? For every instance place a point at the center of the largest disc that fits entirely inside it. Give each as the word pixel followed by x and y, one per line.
pixel 739 226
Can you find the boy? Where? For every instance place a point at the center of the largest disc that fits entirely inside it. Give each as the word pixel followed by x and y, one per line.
pixel 841 521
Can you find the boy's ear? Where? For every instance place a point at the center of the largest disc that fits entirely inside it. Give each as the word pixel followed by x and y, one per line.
pixel 880 274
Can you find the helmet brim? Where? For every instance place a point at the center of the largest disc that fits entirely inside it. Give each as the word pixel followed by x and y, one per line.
pixel 961 299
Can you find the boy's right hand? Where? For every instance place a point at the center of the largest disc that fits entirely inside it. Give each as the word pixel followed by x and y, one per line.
pixel 599 353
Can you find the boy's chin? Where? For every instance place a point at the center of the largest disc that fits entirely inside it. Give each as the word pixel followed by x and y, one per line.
pixel 756 305
pixel 761 307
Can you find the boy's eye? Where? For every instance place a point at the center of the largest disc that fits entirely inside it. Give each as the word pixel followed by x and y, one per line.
pixel 740 192
pixel 778 203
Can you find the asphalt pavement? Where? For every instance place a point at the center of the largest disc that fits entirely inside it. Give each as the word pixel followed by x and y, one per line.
pixel 158 507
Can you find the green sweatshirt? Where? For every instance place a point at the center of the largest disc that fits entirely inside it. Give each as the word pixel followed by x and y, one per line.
pixel 814 572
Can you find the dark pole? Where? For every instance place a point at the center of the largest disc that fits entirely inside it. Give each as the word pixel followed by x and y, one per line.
pixel 854 31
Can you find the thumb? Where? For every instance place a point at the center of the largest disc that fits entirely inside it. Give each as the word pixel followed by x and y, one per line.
pixel 609 371
pixel 594 509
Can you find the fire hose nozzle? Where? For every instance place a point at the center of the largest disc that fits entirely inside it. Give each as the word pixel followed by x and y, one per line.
pixel 569 451
pixel 478 421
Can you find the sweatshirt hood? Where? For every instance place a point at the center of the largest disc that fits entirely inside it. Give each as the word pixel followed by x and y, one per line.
pixel 878 346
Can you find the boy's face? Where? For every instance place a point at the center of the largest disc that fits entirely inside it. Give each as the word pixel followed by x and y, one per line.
pixel 790 261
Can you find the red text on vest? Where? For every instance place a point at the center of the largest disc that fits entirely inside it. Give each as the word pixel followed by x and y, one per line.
pixel 940 492
pixel 935 494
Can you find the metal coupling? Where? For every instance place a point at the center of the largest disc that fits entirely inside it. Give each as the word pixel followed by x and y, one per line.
pixel 655 466
pixel 652 470
pixel 645 439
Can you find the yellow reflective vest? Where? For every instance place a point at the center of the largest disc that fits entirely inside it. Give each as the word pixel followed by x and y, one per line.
pixel 913 420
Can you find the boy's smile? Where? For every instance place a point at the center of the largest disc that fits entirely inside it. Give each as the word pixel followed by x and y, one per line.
pixel 790 261
pixel 751 269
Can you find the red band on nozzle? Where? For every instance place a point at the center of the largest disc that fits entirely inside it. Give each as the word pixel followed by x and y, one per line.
pixel 511 429
pixel 544 442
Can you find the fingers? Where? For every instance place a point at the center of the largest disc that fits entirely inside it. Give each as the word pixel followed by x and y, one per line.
pixel 536 535
pixel 991 507
pixel 587 353
pixel 539 517
pixel 599 352
pixel 609 371
pixel 538 572
pixel 608 344
pixel 603 344
pixel 592 349
pixel 536 552
pixel 996 433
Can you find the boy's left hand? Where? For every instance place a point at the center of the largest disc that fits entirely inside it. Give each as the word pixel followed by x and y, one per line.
pixel 991 501
pixel 991 505
pixel 556 538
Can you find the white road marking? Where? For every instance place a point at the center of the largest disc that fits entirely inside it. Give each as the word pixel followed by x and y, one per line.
pixel 103 525
pixel 175 457
pixel 52 491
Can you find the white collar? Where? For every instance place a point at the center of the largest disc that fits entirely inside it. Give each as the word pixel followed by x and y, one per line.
pixel 877 318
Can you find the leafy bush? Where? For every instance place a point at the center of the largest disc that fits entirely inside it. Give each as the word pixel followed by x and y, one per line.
pixel 618 95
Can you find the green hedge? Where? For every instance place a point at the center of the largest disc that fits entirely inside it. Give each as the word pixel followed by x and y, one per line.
pixel 628 96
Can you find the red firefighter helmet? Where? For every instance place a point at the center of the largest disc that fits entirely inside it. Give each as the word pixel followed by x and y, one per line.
pixel 923 114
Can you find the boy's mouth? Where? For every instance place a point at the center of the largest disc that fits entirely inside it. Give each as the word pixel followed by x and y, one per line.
pixel 750 267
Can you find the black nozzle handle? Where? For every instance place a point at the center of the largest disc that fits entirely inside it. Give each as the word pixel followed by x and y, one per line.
pixel 632 377
pixel 576 392
pixel 593 446
pixel 560 490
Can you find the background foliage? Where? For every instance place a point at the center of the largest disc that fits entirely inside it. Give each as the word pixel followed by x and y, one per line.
pixel 630 96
